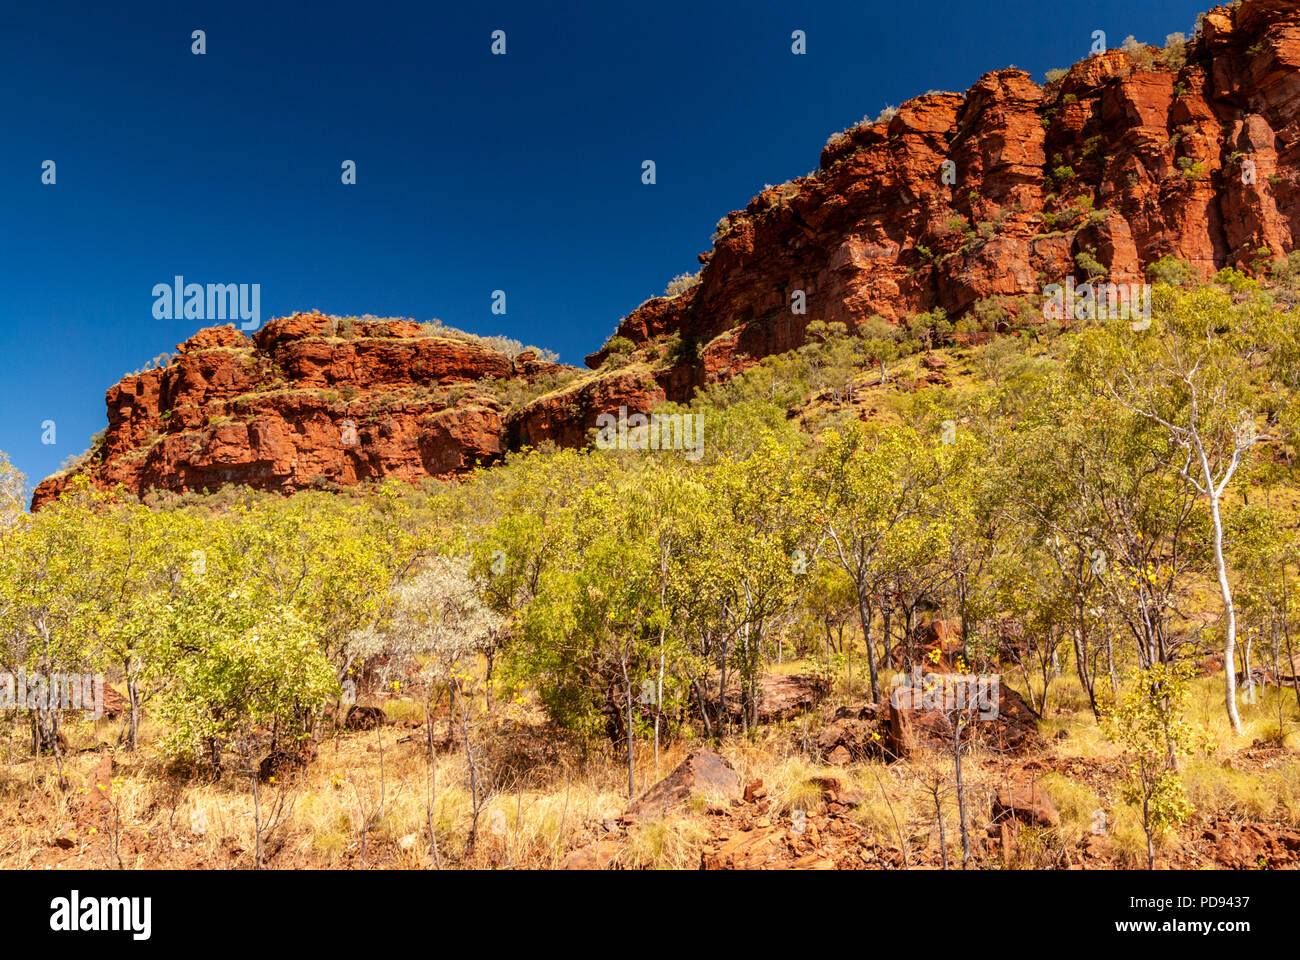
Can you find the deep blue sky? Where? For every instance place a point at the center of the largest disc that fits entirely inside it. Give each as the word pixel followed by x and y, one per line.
pixel 475 172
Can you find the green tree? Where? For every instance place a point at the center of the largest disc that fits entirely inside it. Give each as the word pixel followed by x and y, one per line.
pixel 867 487
pixel 1195 374
pixel 1147 721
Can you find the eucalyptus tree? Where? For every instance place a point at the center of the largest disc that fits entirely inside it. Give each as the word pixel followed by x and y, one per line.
pixel 867 485
pixel 1195 373
pixel 13 493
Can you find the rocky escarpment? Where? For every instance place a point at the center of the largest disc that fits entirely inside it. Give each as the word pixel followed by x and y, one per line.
pixel 308 400
pixel 1131 156
pixel 970 204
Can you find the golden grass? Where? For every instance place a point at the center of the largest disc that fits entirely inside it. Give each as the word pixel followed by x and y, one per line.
pixel 364 802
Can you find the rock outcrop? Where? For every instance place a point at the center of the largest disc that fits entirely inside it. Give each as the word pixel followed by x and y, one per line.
pixel 703 773
pixel 1131 156
pixel 308 400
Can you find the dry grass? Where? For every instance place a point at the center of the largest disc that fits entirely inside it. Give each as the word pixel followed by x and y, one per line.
pixel 365 802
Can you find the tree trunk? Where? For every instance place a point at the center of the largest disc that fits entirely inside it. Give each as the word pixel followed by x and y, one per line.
pixel 864 616
pixel 1081 668
pixel 659 699
pixel 133 694
pixel 1110 665
pixel 943 839
pixel 1230 619
pixel 627 689
pixel 961 795
pixel 433 788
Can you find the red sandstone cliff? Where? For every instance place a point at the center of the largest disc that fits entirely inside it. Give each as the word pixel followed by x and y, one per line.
pixel 1156 152
pixel 1127 158
pixel 308 399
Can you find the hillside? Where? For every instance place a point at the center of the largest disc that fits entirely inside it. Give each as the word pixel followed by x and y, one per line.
pixel 628 659
pixel 945 219
pixel 948 580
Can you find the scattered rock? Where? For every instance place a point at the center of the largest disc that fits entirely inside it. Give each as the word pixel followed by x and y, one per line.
pixel 932 361
pixel 364 718
pixel 852 736
pixel 1029 803
pixel 281 765
pixel 703 772
pixel 781 696
pixel 934 646
pixel 600 855
pixel 1013 730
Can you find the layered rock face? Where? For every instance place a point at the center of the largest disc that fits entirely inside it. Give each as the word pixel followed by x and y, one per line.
pixel 308 400
pixel 953 202
pixel 1130 157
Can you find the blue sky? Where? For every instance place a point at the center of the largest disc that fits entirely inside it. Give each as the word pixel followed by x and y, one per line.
pixel 474 172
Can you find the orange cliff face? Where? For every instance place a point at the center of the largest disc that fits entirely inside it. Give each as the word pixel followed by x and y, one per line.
pixel 298 404
pixel 956 199
pixel 951 201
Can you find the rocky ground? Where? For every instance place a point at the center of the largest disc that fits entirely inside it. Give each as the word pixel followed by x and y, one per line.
pixel 736 805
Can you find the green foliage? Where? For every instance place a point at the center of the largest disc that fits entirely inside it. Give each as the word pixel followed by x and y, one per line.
pixel 1170 270
pixel 1048 490
pixel 1139 53
pixel 619 345
pixel 1174 54
pixel 238 618
pixel 1192 169
pixel 1286 272
pixel 880 341
pixel 13 493
pixel 1147 721
pixel 237 661
pixel 1087 261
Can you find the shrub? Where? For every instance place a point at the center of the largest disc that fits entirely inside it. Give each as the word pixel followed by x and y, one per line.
pixel 1087 261
pixel 1147 722
pixel 1234 280
pixel 1287 271
pixel 1139 53
pixel 1170 270
pixel 681 283
pixel 678 350
pixel 619 345
pixel 1174 55
pixel 728 224
pixel 990 313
